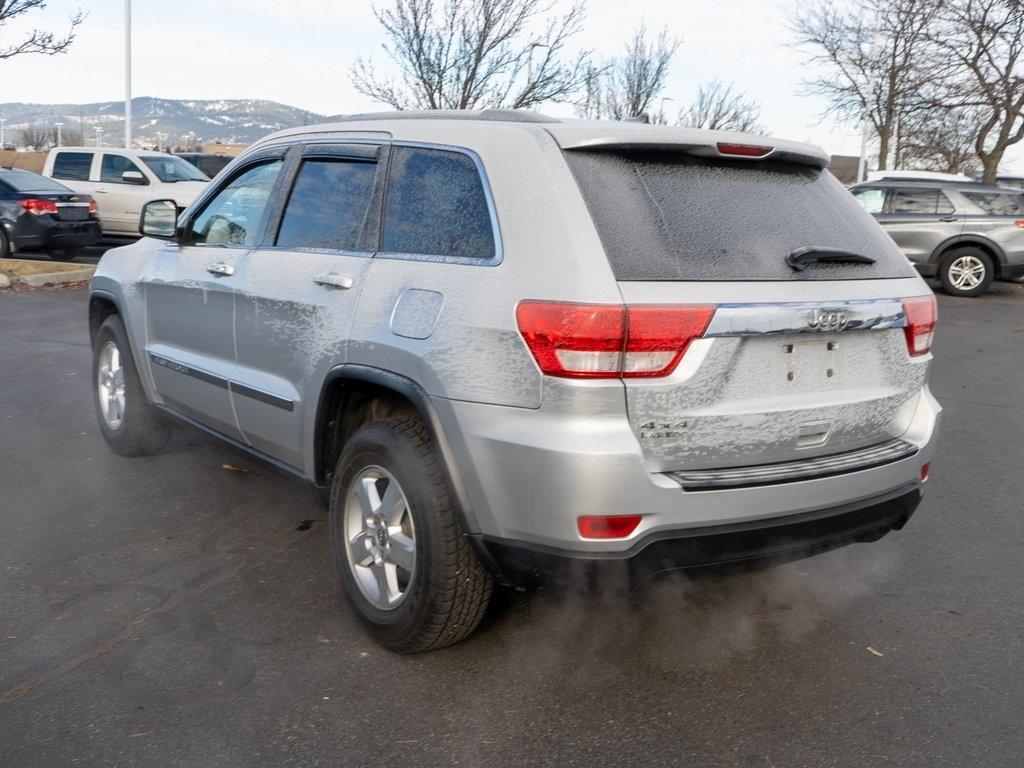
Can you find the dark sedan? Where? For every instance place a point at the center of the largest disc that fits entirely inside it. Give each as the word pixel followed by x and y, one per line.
pixel 40 213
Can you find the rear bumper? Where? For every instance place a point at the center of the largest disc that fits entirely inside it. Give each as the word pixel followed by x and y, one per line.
pixel 777 539
pixel 527 476
pixel 46 232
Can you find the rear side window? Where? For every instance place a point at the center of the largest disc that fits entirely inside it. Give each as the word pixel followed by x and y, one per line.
pixel 436 206
pixel 671 216
pixel 72 165
pixel 113 166
pixel 328 205
pixel 920 201
pixel 998 203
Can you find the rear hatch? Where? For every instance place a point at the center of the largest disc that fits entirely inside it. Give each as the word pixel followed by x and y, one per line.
pixel 803 355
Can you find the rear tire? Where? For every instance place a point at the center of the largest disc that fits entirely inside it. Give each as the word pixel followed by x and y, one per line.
pixel 407 567
pixel 5 245
pixel 128 421
pixel 966 272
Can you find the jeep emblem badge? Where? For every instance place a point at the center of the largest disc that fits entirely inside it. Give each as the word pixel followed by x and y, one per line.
pixel 827 320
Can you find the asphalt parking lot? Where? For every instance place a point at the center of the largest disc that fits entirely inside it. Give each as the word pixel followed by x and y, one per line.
pixel 181 610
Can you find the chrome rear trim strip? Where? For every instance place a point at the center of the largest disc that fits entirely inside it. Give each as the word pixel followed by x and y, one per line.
pixel 793 471
pixel 806 317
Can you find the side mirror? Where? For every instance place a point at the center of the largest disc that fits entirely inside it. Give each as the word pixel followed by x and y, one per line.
pixel 133 177
pixel 159 219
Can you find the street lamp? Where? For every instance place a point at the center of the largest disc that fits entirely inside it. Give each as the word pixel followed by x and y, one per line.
pixel 127 74
pixel 59 125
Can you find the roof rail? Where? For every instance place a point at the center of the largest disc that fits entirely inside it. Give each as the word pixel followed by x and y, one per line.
pixel 489 115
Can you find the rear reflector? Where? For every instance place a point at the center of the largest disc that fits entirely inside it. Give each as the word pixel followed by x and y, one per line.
pixel 744 150
pixel 38 207
pixel 925 468
pixel 607 527
pixel 922 314
pixel 609 341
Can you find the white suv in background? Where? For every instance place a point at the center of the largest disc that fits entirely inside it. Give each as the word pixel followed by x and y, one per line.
pixel 122 180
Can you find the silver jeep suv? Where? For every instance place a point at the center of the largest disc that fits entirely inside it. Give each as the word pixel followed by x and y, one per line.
pixel 509 345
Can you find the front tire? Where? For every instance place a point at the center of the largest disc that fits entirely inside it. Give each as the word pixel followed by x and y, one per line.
pixel 129 423
pixel 966 272
pixel 406 564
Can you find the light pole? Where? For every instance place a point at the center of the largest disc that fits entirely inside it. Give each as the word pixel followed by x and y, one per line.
pixel 662 108
pixel 127 74
pixel 99 137
pixel 59 125
pixel 3 144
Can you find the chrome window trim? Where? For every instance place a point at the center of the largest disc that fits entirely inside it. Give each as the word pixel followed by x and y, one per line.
pixel 492 211
pixel 755 319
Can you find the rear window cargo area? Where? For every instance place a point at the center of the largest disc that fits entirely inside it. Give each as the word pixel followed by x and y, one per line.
pixel 666 215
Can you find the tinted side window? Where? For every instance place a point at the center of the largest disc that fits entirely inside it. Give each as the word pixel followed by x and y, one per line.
pixel 236 214
pixel 997 203
pixel 915 201
pixel 113 166
pixel 72 165
pixel 328 205
pixel 436 205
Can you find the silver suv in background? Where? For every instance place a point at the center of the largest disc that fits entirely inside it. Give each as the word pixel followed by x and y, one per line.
pixel 507 346
pixel 966 234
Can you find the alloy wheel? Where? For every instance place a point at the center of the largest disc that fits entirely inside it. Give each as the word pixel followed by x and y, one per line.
pixel 110 385
pixel 966 272
pixel 380 539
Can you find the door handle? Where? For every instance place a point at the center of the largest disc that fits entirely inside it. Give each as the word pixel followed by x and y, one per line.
pixel 102 191
pixel 334 280
pixel 220 269
pixel 948 218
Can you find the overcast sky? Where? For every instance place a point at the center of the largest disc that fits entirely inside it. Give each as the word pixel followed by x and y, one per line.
pixel 299 52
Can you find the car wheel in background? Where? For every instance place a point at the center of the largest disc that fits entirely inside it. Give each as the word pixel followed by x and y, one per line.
pixel 406 564
pixel 966 272
pixel 5 246
pixel 129 423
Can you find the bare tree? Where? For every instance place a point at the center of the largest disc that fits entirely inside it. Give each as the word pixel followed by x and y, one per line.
pixel 38 40
pixel 628 86
pixel 875 62
pixel 718 107
pixel 34 137
pixel 467 54
pixel 981 42
pixel 942 140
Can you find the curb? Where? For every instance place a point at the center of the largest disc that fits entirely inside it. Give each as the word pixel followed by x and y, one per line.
pixel 54 278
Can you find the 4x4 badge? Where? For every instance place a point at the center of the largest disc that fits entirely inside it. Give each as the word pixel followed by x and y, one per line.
pixel 827 320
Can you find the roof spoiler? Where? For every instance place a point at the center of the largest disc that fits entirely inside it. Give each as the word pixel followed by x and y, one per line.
pixel 753 150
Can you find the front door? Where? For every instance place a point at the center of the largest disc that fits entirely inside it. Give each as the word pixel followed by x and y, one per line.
pixel 297 294
pixel 120 202
pixel 190 296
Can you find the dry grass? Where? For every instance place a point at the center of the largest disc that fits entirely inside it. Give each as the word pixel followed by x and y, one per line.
pixel 21 267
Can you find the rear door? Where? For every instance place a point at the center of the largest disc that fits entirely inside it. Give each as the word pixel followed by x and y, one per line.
pixel 190 297
pixel 792 363
pixel 297 292
pixel 73 169
pixel 919 219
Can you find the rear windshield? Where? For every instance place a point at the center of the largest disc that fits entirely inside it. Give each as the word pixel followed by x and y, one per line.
pixel 670 216
pixel 998 203
pixel 26 181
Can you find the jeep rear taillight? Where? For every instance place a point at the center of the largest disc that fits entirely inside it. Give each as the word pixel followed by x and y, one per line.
pixel 606 341
pixel 922 314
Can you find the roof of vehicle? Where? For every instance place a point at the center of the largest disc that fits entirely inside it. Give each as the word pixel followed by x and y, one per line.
pixel 114 150
pixel 469 127
pixel 963 186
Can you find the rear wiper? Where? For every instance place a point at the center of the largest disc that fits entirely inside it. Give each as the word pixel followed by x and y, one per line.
pixel 802 258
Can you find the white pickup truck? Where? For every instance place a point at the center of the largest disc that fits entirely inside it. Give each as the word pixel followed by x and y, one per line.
pixel 121 181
